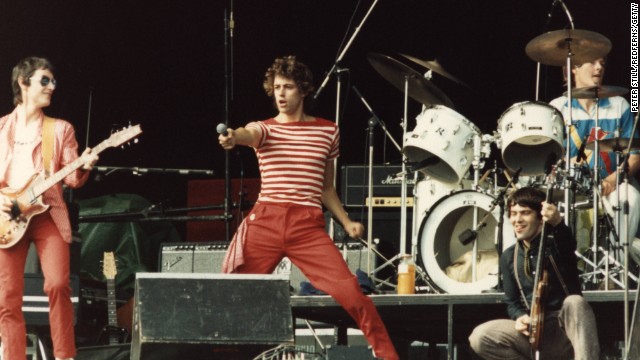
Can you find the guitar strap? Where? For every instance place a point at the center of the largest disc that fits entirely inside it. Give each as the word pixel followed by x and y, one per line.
pixel 47 144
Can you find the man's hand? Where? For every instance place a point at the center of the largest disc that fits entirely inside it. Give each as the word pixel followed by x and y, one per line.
pixel 5 206
pixel 354 229
pixel 90 159
pixel 550 214
pixel 228 141
pixel 522 324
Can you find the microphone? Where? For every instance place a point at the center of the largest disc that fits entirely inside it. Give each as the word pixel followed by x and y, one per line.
pixel 222 128
pixel 467 236
pixel 366 104
pixel 424 163
pixel 514 179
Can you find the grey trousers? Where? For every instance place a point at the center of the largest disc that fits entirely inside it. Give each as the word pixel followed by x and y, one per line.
pixel 570 333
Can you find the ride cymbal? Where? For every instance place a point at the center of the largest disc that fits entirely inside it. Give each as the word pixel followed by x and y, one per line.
pixel 597 92
pixel 553 47
pixel 434 66
pixel 420 89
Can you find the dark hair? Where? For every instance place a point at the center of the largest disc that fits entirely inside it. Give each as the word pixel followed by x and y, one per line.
pixel 529 197
pixel 289 67
pixel 575 66
pixel 24 70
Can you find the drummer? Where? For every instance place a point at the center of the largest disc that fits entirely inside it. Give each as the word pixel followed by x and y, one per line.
pixel 613 115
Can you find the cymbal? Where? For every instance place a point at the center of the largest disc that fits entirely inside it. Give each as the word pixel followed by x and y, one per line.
pixel 420 89
pixel 434 66
pixel 615 144
pixel 553 47
pixel 597 92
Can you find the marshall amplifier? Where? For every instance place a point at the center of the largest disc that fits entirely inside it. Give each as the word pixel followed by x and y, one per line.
pixel 387 185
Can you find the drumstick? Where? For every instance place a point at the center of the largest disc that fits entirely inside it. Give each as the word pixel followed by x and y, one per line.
pixel 484 176
pixel 509 179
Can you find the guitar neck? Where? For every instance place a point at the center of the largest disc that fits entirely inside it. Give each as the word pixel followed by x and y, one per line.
pixel 41 187
pixel 111 303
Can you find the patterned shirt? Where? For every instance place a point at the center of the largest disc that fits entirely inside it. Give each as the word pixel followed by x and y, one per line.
pixel 292 158
pixel 613 114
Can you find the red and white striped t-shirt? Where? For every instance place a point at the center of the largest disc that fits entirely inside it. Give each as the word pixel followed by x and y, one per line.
pixel 292 158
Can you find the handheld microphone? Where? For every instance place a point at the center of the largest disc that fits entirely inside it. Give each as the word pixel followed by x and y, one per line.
pixel 222 128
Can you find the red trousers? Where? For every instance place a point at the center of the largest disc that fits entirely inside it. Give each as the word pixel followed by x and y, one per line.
pixel 298 232
pixel 54 260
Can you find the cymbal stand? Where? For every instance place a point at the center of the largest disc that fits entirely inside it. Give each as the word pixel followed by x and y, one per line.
pixel 624 169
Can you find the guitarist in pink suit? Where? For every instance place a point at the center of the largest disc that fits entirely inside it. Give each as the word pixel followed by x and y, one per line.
pixel 22 154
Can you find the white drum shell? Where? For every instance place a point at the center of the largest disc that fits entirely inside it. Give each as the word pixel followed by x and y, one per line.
pixel 442 133
pixel 440 246
pixel 529 132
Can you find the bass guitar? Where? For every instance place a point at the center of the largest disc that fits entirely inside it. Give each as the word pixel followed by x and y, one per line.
pixel 540 282
pixel 27 202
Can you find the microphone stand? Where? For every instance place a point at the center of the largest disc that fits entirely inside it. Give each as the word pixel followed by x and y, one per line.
pixel 372 123
pixel 228 81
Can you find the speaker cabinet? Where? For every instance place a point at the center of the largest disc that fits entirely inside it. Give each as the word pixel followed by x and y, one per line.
pixel 209 316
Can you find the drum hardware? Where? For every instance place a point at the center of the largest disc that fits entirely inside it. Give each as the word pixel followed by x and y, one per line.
pixel 598 92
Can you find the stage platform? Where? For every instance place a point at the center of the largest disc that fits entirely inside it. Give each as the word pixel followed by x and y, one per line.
pixel 449 319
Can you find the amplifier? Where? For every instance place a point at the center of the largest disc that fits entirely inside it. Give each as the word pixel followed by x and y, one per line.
pixel 207 257
pixel 387 185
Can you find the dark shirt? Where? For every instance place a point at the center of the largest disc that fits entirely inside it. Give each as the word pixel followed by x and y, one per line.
pixel 561 245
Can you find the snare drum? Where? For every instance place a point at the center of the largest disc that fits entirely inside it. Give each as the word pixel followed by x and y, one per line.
pixel 443 139
pixel 529 133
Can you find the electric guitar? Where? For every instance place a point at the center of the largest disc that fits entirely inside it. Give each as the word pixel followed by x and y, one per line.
pixel 27 202
pixel 117 335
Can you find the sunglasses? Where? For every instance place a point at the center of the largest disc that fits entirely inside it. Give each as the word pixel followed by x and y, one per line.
pixel 45 81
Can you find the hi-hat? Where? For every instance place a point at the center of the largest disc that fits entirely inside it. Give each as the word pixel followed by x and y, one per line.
pixel 597 92
pixel 615 144
pixel 420 89
pixel 434 66
pixel 553 47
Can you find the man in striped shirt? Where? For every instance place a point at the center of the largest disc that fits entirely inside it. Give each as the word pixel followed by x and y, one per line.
pixel 295 154
pixel 614 119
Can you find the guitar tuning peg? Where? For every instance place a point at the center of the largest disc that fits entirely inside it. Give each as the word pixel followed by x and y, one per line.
pixel 135 141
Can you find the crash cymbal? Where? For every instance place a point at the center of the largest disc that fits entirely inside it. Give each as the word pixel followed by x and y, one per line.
pixel 553 47
pixel 420 89
pixel 435 67
pixel 597 92
pixel 615 144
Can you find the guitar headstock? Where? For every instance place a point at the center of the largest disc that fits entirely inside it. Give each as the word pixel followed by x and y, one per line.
pixel 120 137
pixel 109 269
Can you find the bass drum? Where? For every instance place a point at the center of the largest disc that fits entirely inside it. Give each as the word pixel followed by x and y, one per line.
pixel 445 259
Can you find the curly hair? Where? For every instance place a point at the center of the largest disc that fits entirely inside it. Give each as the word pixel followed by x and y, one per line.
pixel 289 67
pixel 25 70
pixel 529 197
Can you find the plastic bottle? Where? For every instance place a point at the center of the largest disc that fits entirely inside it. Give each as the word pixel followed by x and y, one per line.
pixel 406 275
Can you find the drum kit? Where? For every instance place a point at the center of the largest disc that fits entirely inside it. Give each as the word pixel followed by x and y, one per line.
pixel 447 154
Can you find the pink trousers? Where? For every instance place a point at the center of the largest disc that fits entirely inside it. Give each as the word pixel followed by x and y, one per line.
pixel 53 252
pixel 298 232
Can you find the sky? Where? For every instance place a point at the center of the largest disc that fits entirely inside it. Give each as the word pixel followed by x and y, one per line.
pixel 162 64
